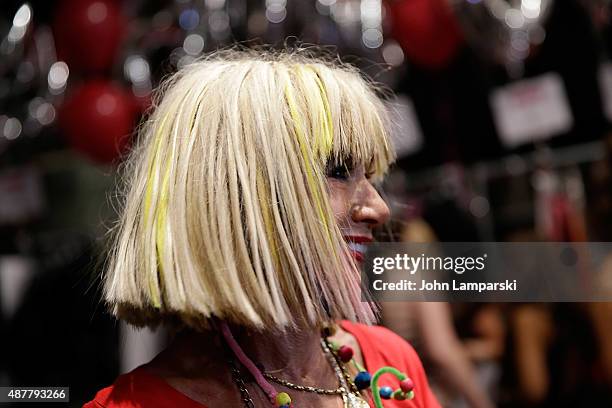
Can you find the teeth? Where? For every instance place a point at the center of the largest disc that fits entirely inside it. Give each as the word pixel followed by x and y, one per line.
pixel 357 247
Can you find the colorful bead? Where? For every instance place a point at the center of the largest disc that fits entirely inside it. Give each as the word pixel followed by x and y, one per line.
pixel 345 353
pixel 407 385
pixel 399 395
pixel 334 345
pixel 385 392
pixel 362 380
pixel 283 400
pixel 410 395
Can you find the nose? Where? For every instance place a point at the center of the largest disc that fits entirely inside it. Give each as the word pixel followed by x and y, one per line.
pixel 368 206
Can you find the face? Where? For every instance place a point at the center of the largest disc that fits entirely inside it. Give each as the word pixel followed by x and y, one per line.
pixel 357 206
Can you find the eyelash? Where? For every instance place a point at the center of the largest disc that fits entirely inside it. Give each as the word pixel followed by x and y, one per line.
pixel 340 172
pixel 343 172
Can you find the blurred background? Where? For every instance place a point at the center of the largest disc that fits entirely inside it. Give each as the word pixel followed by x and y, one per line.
pixel 501 119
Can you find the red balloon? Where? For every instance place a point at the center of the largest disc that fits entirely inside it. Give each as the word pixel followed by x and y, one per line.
pixel 89 33
pixel 426 30
pixel 97 119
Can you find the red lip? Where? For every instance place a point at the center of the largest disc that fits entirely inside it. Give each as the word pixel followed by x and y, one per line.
pixel 358 239
pixel 358 256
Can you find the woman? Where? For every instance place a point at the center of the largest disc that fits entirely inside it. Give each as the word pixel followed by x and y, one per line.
pixel 247 206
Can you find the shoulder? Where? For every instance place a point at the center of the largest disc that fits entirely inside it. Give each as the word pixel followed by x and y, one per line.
pixel 139 389
pixel 381 342
pixel 381 347
pixel 128 391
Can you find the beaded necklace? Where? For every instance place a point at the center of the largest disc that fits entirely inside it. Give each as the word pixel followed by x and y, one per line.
pixel 350 389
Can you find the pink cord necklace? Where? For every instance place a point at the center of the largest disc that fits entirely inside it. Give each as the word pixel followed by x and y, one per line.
pixel 350 388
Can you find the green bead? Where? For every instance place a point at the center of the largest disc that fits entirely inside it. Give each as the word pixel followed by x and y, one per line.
pixel 399 395
pixel 410 395
pixel 282 398
pixel 334 345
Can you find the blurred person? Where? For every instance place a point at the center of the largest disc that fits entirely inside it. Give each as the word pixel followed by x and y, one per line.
pixel 488 334
pixel 600 315
pixel 543 338
pixel 557 355
pixel 599 193
pixel 247 204
pixel 533 328
pixel 429 326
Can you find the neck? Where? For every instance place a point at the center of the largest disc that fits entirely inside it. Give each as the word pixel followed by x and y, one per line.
pixel 293 353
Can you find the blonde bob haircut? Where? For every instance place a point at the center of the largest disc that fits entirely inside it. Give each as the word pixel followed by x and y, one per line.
pixel 225 211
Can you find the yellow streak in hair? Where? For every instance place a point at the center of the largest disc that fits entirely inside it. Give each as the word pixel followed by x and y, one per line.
pixel 310 176
pixel 328 130
pixel 148 202
pixel 264 200
pixel 160 223
pixel 162 210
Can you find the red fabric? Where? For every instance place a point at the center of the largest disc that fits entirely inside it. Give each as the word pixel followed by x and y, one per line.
pixel 379 347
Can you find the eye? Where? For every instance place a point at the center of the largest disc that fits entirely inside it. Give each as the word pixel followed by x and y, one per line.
pixel 339 172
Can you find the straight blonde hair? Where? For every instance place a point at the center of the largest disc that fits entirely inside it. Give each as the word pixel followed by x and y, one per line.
pixel 225 211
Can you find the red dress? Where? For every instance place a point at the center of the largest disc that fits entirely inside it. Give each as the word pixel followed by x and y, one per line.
pixel 379 347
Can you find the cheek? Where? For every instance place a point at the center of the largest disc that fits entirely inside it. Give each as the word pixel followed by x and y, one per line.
pixel 339 200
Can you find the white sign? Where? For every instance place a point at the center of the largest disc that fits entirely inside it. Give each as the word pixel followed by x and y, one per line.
pixel 531 110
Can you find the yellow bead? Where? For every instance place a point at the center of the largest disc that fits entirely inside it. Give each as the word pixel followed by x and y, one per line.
pixel 282 398
pixel 329 331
